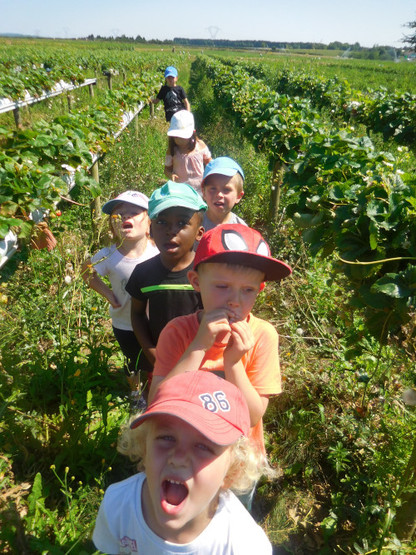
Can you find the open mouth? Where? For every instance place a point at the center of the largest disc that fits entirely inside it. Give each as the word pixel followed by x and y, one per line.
pixel 170 246
pixel 127 225
pixel 174 492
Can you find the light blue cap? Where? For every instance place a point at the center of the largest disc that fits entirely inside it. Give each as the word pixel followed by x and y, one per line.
pixel 224 166
pixel 171 71
pixel 173 194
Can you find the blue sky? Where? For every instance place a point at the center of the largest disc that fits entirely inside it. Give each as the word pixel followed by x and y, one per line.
pixel 368 22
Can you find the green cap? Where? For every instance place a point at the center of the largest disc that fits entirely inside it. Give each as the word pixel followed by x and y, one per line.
pixel 173 194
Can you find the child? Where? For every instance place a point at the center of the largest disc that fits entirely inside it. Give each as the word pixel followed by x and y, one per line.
pixel 193 447
pixel 231 263
pixel 187 155
pixel 174 97
pixel 161 285
pixel 222 189
pixel 129 224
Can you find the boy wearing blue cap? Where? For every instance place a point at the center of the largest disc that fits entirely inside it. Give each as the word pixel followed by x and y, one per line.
pixel 222 188
pixel 159 288
pixel 173 96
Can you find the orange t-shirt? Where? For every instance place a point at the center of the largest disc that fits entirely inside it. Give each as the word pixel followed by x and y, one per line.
pixel 261 362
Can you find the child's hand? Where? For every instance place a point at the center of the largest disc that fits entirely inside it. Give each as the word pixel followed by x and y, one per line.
pixel 213 326
pixel 174 178
pixel 241 341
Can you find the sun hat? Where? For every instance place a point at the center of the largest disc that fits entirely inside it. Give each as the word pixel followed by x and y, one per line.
pixel 239 244
pixel 171 71
pixel 182 125
pixel 173 194
pixel 132 197
pixel 210 404
pixel 224 166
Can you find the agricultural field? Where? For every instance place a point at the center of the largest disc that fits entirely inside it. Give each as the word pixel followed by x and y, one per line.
pixel 332 186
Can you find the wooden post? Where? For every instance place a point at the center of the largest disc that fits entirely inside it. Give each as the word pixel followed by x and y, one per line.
pixel 96 203
pixel 69 99
pixel 136 126
pixel 152 109
pixel 16 113
pixel 91 89
pixel 110 81
pixel 277 179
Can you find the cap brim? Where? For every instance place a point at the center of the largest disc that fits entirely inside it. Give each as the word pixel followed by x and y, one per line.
pixel 109 206
pixel 211 425
pixel 229 172
pixel 182 133
pixel 273 269
pixel 173 203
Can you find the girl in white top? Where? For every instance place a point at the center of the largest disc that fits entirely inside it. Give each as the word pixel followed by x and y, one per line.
pixel 187 155
pixel 130 225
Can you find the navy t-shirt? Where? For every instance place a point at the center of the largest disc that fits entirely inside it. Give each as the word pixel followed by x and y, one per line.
pixel 173 98
pixel 169 293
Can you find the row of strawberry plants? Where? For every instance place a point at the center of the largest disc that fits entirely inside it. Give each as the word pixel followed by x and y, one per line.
pixel 381 111
pixel 33 71
pixel 34 162
pixel 349 201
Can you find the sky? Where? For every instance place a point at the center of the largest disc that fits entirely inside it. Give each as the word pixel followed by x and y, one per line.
pixel 369 22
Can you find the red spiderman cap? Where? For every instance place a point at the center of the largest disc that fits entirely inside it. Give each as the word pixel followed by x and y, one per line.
pixel 242 245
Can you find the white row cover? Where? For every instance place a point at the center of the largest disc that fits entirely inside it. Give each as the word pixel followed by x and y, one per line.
pixel 7 104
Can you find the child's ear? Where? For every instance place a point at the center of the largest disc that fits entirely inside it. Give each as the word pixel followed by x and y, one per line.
pixel 193 279
pixel 199 233
pixel 239 197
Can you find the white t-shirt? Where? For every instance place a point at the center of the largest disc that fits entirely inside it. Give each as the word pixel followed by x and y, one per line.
pixel 121 528
pixel 111 263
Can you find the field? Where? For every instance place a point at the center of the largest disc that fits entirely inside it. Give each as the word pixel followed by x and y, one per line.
pixel 342 432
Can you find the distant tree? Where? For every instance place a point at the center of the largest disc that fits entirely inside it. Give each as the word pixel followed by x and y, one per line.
pixel 411 39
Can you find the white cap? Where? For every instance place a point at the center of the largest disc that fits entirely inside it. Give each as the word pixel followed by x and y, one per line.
pixel 132 197
pixel 182 125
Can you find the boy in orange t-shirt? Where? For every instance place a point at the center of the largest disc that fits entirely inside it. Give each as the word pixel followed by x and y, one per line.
pixel 231 263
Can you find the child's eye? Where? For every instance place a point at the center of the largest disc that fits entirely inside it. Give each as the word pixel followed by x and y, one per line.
pixel 165 437
pixel 204 448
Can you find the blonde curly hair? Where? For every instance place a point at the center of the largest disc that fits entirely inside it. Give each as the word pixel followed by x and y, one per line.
pixel 247 464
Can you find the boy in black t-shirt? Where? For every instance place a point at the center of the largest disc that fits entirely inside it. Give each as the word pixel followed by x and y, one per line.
pixel 159 287
pixel 174 97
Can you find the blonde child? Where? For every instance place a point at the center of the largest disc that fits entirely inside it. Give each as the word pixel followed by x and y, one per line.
pixel 187 155
pixel 192 444
pixel 129 223
pixel 173 96
pixel 222 188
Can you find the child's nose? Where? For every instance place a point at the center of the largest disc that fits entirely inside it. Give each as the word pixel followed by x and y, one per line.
pixel 233 298
pixel 178 456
